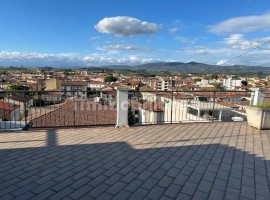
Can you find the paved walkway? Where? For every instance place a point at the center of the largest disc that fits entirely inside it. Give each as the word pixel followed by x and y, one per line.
pixel 185 161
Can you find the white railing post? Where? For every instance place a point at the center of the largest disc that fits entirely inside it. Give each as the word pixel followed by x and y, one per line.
pixel 122 107
pixel 257 96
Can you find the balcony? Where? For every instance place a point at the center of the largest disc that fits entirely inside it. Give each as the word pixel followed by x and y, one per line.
pixel 219 160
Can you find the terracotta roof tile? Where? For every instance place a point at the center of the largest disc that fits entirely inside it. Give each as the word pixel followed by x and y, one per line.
pixel 80 112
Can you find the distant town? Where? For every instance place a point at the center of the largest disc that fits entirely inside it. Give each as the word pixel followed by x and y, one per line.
pixel 49 79
pixel 48 94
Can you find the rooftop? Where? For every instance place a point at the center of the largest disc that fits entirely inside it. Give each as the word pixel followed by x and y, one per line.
pixel 74 83
pixel 20 97
pixel 179 161
pixel 8 106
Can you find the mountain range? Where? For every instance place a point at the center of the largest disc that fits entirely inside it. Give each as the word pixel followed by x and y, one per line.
pixel 193 67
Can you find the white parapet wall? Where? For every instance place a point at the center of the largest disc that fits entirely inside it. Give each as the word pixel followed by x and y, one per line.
pixel 11 125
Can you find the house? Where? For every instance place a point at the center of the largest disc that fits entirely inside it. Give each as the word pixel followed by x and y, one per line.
pixel 151 96
pixel 9 112
pixel 71 88
pixel 207 83
pixel 53 84
pixel 100 78
pixel 108 97
pixel 148 112
pixel 162 84
pixel 51 97
pixel 231 82
pixel 134 84
pixel 4 86
pixel 24 102
pixel 96 85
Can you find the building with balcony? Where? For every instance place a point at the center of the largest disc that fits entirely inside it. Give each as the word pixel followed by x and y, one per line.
pixel 231 82
pixel 68 88
pixel 162 84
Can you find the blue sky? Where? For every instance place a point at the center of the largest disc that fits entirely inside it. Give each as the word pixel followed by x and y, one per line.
pixel 103 32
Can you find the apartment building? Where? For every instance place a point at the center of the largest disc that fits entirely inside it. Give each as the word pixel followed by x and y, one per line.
pixel 79 86
pixel 231 82
pixel 162 84
pixel 53 84
pixel 96 85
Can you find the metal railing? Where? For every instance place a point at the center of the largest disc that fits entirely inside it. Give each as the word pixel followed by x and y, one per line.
pixel 161 107
pixel 24 109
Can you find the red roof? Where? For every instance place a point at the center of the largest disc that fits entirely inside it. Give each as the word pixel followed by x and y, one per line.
pixel 74 83
pixel 8 106
pixel 87 112
pixel 96 82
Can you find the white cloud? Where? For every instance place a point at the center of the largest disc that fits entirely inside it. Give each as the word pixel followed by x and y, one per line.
pixel 173 30
pixel 38 59
pixel 68 59
pixel 98 59
pixel 237 41
pixel 243 24
pixel 202 51
pixel 124 26
pixel 119 47
pixel 221 62
pixel 5 55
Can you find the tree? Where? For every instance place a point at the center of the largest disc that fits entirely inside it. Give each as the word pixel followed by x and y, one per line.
pixel 218 87
pixel 110 79
pixel 214 76
pixel 244 83
pixel 19 87
pixel 39 102
pixel 131 116
pixel 195 80
pixel 138 94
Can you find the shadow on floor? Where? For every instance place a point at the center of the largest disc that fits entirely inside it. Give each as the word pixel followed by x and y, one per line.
pixel 116 170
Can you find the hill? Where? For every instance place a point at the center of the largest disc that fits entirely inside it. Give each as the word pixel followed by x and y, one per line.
pixel 194 67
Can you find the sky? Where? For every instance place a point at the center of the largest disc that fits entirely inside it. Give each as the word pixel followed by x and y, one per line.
pixel 81 33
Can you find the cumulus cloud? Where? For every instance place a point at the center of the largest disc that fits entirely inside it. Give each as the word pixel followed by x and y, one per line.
pixel 237 41
pixel 68 59
pixel 119 47
pixel 221 62
pixel 173 30
pixel 38 59
pixel 5 55
pixel 243 24
pixel 98 59
pixel 124 26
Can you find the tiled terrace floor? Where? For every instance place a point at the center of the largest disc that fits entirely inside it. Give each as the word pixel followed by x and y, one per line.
pixel 188 161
